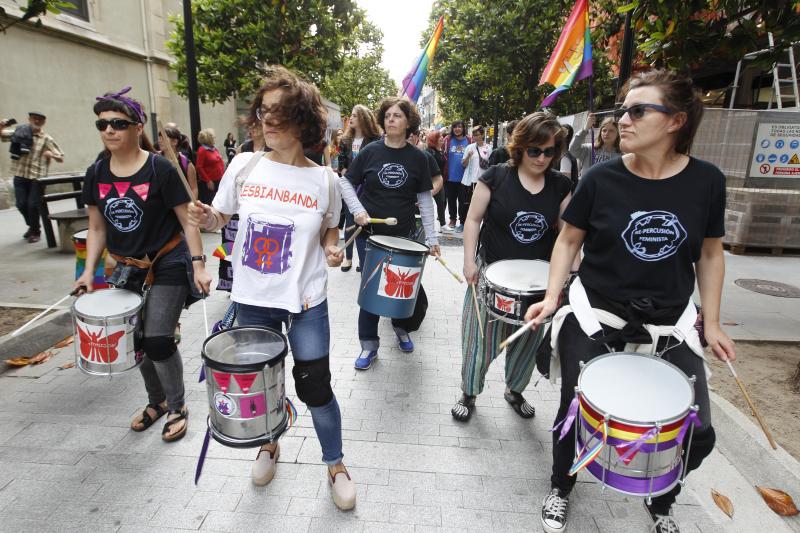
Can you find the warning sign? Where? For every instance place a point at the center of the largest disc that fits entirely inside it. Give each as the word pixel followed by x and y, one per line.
pixel 775 151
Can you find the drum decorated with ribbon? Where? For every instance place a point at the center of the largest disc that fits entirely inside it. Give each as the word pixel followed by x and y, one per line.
pixel 245 381
pixel 391 276
pixel 633 412
pixel 510 286
pixel 107 325
pixel 79 242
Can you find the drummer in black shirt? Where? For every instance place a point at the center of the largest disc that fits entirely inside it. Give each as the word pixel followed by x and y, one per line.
pixel 519 205
pixel 396 177
pixel 650 224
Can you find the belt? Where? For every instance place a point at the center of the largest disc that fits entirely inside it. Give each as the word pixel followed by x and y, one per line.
pixel 146 263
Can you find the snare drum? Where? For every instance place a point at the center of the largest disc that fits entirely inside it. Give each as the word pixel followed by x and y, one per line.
pixel 106 324
pixel 245 380
pixel 510 286
pixel 79 242
pixel 645 405
pixel 391 276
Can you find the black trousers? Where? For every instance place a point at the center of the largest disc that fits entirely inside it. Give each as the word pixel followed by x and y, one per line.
pixel 575 346
pixel 29 195
pixel 441 203
pixel 458 197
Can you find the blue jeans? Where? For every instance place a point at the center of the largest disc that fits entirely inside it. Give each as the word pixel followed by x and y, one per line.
pixel 309 339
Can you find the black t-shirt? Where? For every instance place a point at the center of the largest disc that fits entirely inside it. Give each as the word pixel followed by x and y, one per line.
pixel 138 209
pixel 644 236
pixel 392 177
pixel 518 224
pixel 433 166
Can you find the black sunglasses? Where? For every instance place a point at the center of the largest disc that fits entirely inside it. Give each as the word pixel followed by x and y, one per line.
pixel 117 124
pixel 637 111
pixel 535 151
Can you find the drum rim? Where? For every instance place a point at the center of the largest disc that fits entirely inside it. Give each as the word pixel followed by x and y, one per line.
pixel 637 423
pixel 232 442
pixel 514 292
pixel 246 367
pixel 388 248
pixel 82 316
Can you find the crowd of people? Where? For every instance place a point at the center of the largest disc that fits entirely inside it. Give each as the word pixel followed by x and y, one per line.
pixel 594 211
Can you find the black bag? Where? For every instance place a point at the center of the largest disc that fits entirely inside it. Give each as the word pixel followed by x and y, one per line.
pixel 483 163
pixel 414 322
pixel 128 277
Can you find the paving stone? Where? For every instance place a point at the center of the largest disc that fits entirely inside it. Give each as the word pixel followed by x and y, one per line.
pixel 416 514
pixel 238 522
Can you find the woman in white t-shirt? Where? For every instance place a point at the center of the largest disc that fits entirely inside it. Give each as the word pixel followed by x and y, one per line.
pixel 288 209
pixel 476 153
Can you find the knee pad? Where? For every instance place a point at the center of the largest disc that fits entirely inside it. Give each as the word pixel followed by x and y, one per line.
pixel 312 382
pixel 159 348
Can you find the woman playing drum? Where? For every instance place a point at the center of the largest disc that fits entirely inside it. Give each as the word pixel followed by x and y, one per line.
pixel 650 223
pixel 395 176
pixel 138 210
pixel 280 252
pixel 519 204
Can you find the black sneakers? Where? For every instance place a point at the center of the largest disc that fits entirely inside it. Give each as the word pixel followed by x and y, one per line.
pixel 554 512
pixel 662 523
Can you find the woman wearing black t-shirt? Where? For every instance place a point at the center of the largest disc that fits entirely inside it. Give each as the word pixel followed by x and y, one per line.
pixel 138 210
pixel 650 223
pixel 518 205
pixel 395 193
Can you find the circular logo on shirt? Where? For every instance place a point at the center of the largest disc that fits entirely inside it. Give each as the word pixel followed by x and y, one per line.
pixel 393 175
pixel 224 404
pixel 528 226
pixel 124 214
pixel 653 235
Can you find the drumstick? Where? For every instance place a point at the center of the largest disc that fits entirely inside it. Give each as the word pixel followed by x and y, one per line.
pixel 477 309
pixel 391 221
pixel 454 274
pixel 763 425
pixel 517 334
pixel 40 315
pixel 166 147
pixel 205 314
pixel 352 237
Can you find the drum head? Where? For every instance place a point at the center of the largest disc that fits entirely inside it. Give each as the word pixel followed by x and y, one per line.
pixel 521 275
pixel 245 347
pixel 107 302
pixel 636 388
pixel 388 242
pixel 81 235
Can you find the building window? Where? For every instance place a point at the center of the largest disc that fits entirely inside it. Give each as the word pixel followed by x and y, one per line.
pixel 79 10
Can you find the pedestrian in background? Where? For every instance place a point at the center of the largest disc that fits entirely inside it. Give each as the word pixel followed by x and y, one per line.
pixel 230 146
pixel 455 144
pixel 606 145
pixel 569 163
pixel 435 143
pixel 210 166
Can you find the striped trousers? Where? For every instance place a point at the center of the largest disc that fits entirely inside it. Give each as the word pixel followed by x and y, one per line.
pixel 478 353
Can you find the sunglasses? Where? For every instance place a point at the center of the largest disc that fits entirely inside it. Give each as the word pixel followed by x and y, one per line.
pixel 117 124
pixel 637 111
pixel 535 151
pixel 263 111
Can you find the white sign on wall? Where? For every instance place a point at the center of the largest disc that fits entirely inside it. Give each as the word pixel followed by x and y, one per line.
pixel 776 149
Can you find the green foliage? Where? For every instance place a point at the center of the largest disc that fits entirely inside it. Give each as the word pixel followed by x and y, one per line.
pixel 35 10
pixel 236 39
pixel 496 51
pixel 361 80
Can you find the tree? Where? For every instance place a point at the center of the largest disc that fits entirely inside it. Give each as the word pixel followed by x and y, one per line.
pixel 236 39
pixel 35 10
pixel 493 53
pixel 361 79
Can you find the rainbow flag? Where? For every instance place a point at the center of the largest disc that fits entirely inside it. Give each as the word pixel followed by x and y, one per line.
pixel 572 57
pixel 415 79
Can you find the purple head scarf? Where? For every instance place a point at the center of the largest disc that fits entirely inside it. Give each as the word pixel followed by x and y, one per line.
pixel 132 104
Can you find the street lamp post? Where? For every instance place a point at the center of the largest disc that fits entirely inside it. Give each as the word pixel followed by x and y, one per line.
pixel 191 72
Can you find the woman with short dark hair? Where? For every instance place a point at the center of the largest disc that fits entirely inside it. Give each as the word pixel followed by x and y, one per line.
pixel 650 224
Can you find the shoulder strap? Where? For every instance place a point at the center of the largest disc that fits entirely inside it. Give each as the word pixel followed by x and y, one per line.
pixel 244 173
pixel 329 211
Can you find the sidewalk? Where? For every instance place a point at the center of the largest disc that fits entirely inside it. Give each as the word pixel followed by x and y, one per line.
pixel 69 462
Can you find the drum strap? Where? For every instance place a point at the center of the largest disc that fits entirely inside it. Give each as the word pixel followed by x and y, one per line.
pixel 146 263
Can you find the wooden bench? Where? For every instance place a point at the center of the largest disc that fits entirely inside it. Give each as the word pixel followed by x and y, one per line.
pixel 69 222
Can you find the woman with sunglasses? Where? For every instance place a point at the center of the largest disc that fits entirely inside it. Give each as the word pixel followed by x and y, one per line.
pixel 650 224
pixel 514 214
pixel 137 209
pixel 188 168
pixel 282 192
pixel 606 145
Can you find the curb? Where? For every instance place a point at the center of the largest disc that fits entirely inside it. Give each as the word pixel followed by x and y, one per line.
pixel 41 336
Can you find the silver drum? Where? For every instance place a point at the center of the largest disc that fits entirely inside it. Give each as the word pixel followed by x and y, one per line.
pixel 245 380
pixel 106 323
pixel 510 286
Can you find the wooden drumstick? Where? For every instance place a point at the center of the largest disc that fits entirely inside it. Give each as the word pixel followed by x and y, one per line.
pixel 352 237
pixel 517 334
pixel 454 274
pixel 761 422
pixel 477 309
pixel 166 147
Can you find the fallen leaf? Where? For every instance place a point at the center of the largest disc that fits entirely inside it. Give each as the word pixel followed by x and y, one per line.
pixel 65 342
pixel 723 502
pixel 19 361
pixel 778 501
pixel 40 358
pixel 65 366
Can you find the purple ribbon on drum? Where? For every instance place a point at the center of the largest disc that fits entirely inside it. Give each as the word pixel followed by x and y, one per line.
pixel 566 422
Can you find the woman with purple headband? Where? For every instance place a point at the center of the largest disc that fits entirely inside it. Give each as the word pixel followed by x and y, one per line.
pixel 138 210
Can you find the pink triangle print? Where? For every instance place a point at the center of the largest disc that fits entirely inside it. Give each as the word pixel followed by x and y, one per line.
pixel 142 190
pixel 103 189
pixel 223 380
pixel 122 187
pixel 245 381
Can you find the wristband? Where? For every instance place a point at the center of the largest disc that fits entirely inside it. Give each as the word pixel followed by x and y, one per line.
pixel 199 258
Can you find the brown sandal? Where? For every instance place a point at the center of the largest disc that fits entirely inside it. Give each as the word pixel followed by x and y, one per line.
pixel 148 420
pixel 183 415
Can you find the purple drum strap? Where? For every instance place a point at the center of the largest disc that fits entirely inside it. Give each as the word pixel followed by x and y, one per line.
pixel 623 444
pixel 202 374
pixel 202 459
pixel 632 485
